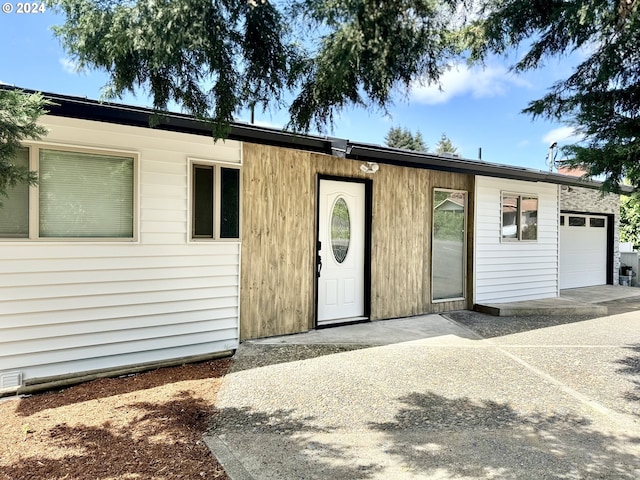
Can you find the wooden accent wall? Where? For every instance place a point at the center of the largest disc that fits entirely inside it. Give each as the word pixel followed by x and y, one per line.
pixel 401 240
pixel 278 238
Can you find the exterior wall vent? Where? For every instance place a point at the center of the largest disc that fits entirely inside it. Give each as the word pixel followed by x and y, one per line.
pixel 10 380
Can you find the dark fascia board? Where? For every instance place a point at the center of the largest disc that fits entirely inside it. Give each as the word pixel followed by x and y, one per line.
pixel 86 109
pixel 409 158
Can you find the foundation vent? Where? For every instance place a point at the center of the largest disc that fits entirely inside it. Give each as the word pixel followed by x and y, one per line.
pixel 10 380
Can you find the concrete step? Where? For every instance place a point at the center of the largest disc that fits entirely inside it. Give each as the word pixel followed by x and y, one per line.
pixel 550 306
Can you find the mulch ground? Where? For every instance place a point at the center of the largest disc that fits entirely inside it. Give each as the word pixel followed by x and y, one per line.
pixel 144 426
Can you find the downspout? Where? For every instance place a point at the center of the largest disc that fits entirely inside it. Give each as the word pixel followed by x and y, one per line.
pixel 558 203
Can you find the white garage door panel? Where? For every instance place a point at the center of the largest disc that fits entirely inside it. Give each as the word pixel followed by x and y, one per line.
pixel 583 253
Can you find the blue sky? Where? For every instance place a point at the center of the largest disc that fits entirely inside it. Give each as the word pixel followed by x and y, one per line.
pixel 478 108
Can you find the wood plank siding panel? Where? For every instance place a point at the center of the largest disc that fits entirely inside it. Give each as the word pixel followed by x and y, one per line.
pixel 277 241
pixel 513 271
pixel 68 307
pixel 279 215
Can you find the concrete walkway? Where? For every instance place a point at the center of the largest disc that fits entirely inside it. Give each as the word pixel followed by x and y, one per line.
pixel 575 301
pixel 427 398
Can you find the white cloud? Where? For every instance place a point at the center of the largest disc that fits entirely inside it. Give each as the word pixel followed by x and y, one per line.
pixel 68 65
pixel 267 124
pixel 260 123
pixel 461 80
pixel 588 49
pixel 561 134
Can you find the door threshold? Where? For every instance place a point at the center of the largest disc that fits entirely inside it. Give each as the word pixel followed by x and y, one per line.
pixel 339 322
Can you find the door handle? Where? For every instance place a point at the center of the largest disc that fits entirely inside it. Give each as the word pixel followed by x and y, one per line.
pixel 319 265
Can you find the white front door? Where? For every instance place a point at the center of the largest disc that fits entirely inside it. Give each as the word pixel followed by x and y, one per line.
pixel 341 234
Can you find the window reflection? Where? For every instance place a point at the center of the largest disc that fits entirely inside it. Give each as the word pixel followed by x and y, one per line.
pixel 448 249
pixel 340 230
pixel 529 218
pixel 519 217
pixel 509 216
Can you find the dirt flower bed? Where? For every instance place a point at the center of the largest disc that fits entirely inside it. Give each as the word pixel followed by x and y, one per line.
pixel 145 426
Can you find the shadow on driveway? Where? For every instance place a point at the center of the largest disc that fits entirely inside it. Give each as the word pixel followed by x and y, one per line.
pixel 474 439
pixel 443 407
pixel 278 445
pixel 432 436
pixel 631 367
pixel 489 326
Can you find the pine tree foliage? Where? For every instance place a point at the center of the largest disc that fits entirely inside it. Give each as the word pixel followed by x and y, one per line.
pixel 630 219
pixel 371 47
pixel 398 137
pixel 19 113
pixel 210 57
pixel 445 146
pixel 601 98
pixel 217 57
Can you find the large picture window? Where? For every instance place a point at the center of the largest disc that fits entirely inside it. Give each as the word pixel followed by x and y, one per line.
pixel 85 195
pixel 215 202
pixel 449 252
pixel 519 217
pixel 80 194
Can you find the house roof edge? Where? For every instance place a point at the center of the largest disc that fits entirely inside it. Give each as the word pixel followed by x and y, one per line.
pixel 88 109
pixel 408 158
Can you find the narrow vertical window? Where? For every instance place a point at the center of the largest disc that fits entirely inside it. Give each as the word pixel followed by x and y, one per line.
pixel 229 203
pixel 449 252
pixel 203 201
pixel 529 218
pixel 14 212
pixel 510 216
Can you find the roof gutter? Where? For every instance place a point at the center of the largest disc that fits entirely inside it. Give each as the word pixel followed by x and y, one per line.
pixel 409 158
pixel 86 109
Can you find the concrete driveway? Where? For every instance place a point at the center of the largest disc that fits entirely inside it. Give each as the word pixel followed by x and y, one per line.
pixel 428 397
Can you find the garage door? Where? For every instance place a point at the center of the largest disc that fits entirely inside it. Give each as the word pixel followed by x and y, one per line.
pixel 583 250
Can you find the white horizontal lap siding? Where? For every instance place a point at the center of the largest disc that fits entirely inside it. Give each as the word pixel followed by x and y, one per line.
pixel 514 271
pixel 70 307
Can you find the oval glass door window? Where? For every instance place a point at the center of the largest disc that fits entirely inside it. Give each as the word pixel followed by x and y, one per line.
pixel 340 230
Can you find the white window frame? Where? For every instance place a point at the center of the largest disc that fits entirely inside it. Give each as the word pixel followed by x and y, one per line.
pixel 217 192
pixel 34 194
pixel 520 196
